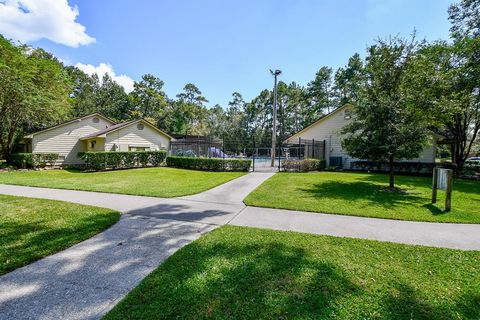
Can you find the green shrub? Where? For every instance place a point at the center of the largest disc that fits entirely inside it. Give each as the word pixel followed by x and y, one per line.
pixel 22 160
pixel 96 161
pixel 41 160
pixel 303 165
pixel 209 164
pixel 33 160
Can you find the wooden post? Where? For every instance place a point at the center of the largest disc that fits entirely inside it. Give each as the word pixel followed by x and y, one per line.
pixel 448 196
pixel 434 185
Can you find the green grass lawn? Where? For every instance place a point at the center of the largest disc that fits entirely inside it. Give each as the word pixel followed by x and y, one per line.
pixel 31 229
pixel 363 194
pixel 246 273
pixel 157 182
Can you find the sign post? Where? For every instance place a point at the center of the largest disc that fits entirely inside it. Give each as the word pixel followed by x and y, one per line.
pixel 443 179
pixel 448 197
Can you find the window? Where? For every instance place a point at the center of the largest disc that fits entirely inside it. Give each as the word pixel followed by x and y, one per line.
pixel 140 126
pixel 138 148
pixel 93 143
pixel 96 120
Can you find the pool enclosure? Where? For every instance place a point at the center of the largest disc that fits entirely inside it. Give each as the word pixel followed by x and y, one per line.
pixel 259 153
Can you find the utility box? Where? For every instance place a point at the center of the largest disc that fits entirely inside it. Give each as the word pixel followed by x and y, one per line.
pixel 336 162
pixel 442 176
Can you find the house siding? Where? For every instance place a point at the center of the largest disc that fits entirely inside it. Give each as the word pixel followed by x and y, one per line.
pixel 65 140
pixel 130 136
pixel 329 130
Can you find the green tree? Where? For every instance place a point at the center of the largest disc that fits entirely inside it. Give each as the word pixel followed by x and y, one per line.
pixel 258 115
pixel 149 100
pixel 388 124
pixel 349 81
pixel 216 121
pixel 33 92
pixel 112 100
pixel 465 19
pixel 454 91
pixel 320 94
pixel 236 132
pixel 83 91
pixel 190 112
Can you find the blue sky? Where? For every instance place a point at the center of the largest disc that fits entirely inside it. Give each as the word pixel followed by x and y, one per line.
pixel 225 46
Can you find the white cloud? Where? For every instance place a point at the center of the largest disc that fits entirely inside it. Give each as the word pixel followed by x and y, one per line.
pixel 31 20
pixel 125 81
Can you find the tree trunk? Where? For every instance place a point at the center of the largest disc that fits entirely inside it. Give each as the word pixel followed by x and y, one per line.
pixel 392 176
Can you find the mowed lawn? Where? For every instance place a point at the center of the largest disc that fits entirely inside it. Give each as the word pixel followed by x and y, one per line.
pixel 157 182
pixel 31 229
pixel 363 194
pixel 246 273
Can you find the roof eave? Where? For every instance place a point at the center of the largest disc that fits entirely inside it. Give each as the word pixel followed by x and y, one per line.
pixel 94 137
pixel 328 115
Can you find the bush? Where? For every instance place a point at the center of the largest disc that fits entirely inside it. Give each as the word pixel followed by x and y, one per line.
pixel 44 159
pixel 96 161
pixel 209 164
pixel 303 165
pixel 33 160
pixel 22 160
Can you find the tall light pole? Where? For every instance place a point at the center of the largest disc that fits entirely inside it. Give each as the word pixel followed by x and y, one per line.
pixel 275 73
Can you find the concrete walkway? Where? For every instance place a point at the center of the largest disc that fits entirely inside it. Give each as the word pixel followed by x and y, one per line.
pixel 234 191
pixel 87 280
pixel 443 235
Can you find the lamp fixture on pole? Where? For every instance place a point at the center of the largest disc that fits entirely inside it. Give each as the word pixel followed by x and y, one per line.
pixel 275 73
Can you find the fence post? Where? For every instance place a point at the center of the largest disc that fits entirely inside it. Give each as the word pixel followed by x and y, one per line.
pixel 198 147
pixel 299 147
pixel 223 152
pixel 434 185
pixel 448 196
pixel 279 154
pixel 254 151
pixel 208 146
pixel 313 148
pixel 324 150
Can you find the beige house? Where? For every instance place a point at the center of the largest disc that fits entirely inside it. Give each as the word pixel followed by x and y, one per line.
pixel 95 132
pixel 327 129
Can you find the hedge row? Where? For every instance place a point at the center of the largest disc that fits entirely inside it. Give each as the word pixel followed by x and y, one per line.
pixel 33 160
pixel 209 164
pixel 96 161
pixel 303 165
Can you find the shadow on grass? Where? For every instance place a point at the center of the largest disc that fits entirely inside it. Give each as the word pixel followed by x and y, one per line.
pixel 404 302
pixel 434 209
pixel 275 281
pixel 24 242
pixel 359 190
pixel 270 280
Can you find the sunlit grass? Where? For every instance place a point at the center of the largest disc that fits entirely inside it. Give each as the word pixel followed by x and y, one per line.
pixel 34 228
pixel 245 273
pixel 157 182
pixel 364 194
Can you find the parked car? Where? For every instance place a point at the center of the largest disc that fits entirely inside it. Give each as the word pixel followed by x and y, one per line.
pixel 473 159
